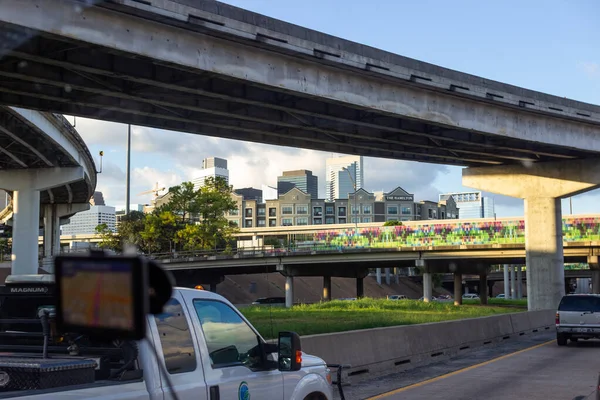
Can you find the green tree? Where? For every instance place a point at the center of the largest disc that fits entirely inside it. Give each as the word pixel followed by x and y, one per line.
pixel 159 231
pixel 394 222
pixel 273 241
pixel 190 237
pixel 184 202
pixel 108 239
pixel 214 201
pixel 130 229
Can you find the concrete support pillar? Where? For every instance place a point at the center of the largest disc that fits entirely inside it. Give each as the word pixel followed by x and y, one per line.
pixel 519 281
pixel 387 276
pixel 596 281
pixel 26 184
pixel 483 295
pixel 360 288
pixel 378 276
pixel 427 287
pixel 506 282
pixel 289 291
pixel 457 289
pixel 544 253
pixel 26 225
pixel 397 275
pixel 541 185
pixel 593 262
pixel 326 288
pixel 513 282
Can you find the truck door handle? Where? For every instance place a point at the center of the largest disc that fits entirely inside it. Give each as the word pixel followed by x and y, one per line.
pixel 214 393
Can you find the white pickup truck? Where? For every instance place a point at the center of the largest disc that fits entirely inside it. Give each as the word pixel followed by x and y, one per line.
pixel 207 346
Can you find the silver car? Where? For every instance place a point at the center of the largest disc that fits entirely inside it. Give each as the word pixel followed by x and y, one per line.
pixel 578 317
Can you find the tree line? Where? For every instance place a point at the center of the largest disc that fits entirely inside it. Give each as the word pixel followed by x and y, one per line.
pixel 189 220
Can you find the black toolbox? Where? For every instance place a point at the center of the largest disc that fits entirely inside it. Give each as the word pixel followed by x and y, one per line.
pixel 17 373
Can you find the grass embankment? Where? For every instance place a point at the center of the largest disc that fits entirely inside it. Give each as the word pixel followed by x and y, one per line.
pixel 339 316
pixel 500 302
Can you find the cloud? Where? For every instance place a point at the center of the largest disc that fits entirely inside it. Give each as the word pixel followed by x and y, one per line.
pixel 170 158
pixel 414 177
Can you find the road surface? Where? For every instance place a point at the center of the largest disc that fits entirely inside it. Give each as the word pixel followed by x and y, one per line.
pixel 531 368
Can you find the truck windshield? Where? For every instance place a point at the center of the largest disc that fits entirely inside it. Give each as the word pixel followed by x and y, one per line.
pixel 580 303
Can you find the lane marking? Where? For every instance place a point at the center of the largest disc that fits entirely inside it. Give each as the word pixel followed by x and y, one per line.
pixel 459 371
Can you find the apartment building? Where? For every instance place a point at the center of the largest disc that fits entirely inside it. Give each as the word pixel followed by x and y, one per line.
pixel 297 208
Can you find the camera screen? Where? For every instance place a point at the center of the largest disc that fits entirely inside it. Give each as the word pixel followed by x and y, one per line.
pixel 98 293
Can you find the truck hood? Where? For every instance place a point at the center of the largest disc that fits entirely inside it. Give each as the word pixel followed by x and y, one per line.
pixel 311 361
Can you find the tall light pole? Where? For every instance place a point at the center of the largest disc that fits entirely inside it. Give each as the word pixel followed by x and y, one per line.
pixel 570 205
pixel 127 171
pixel 353 184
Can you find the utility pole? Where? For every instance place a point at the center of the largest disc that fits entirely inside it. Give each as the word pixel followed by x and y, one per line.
pixel 570 205
pixel 127 171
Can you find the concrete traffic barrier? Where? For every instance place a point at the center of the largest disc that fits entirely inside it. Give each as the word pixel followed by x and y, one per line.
pixel 393 349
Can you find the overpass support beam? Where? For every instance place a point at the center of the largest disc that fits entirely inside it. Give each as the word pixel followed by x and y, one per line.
pixel 483 288
pixel 541 185
pixel 387 276
pixel 427 280
pixel 378 272
pixel 519 282
pixel 506 282
pixel 360 288
pixel 289 291
pixel 513 282
pixel 326 288
pixel 52 216
pixel 594 264
pixel 27 184
pixel 427 287
pixel 458 289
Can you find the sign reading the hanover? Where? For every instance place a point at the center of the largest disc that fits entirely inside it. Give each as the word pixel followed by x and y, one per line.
pixel 399 198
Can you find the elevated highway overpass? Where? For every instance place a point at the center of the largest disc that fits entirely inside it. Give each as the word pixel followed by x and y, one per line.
pixel 461 247
pixel 45 166
pixel 204 67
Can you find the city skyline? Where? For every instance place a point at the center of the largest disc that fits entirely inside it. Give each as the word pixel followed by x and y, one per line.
pixel 171 158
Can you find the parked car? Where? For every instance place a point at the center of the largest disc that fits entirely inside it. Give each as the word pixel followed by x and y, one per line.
pixel 470 296
pixel 397 297
pixel 501 296
pixel 578 317
pixel 273 301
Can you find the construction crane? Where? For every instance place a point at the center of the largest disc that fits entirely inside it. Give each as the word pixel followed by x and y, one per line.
pixel 156 191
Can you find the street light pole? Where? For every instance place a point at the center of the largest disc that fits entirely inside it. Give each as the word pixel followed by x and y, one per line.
pixel 127 171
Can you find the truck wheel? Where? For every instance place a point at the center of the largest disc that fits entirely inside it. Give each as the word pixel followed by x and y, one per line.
pixel 315 396
pixel 561 339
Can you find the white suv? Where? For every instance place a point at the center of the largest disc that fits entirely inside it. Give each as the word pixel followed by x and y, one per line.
pixel 578 317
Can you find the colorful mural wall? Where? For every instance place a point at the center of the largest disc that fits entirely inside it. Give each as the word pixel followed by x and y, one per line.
pixel 445 234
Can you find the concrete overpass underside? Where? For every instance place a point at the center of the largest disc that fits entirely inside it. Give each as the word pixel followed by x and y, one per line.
pixel 219 76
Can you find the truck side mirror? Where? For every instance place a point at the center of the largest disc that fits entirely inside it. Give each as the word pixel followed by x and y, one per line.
pixel 290 351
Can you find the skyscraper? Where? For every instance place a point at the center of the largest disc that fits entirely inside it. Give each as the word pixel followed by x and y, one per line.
pixel 472 205
pixel 97 199
pixel 85 222
pixel 211 167
pixel 302 179
pixel 341 174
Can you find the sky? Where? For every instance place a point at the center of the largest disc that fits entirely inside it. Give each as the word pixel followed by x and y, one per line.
pixel 545 45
